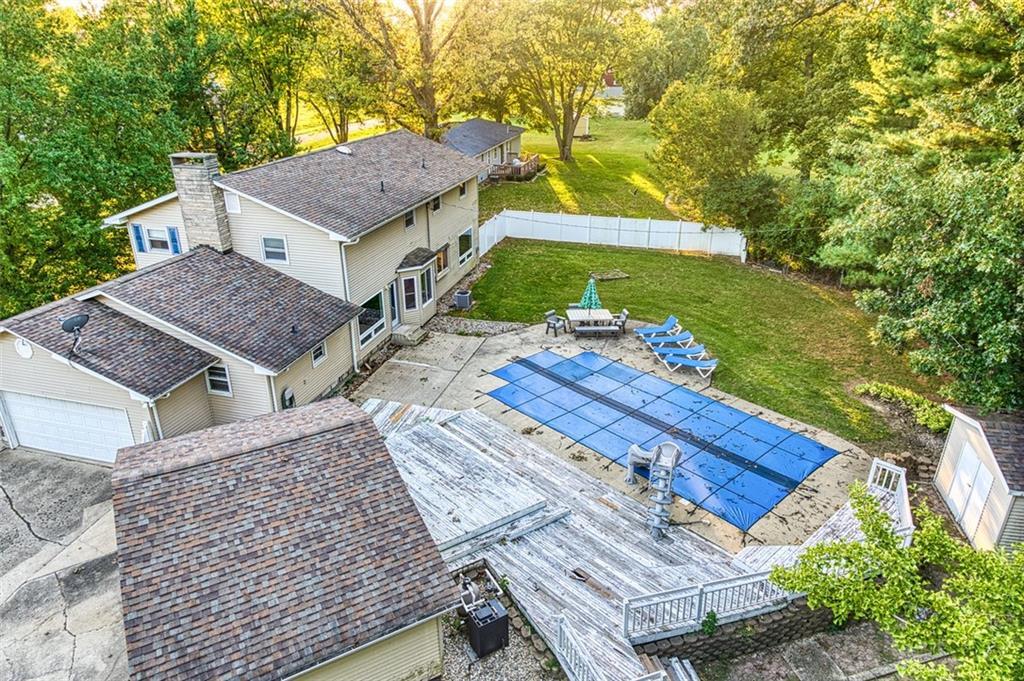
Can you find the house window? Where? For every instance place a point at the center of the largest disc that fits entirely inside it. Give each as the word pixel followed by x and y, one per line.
pixel 435 204
pixel 427 285
pixel 158 240
pixel 462 190
pixel 409 293
pixel 410 219
pixel 217 381
pixel 319 354
pixel 465 246
pixel 231 203
pixel 371 319
pixel 275 248
pixel 441 261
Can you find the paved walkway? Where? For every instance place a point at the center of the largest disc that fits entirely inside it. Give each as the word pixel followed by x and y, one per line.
pixel 451 371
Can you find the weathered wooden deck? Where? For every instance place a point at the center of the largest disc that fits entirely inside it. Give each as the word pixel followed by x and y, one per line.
pixel 578 553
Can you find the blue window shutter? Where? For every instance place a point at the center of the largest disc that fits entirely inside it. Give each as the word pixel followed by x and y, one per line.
pixel 140 241
pixel 172 236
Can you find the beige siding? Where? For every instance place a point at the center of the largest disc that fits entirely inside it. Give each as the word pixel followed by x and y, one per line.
pixel 307 382
pixel 986 535
pixel 1013 529
pixel 186 409
pixel 313 257
pixel 45 376
pixel 412 655
pixel 250 393
pixel 166 214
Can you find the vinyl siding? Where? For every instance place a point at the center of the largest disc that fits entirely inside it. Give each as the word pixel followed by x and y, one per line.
pixel 167 214
pixel 993 515
pixel 413 655
pixel 313 258
pixel 43 375
pixel 186 409
pixel 309 383
pixel 250 393
pixel 1013 529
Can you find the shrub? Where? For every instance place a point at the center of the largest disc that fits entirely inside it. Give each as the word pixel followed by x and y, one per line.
pixel 710 623
pixel 926 413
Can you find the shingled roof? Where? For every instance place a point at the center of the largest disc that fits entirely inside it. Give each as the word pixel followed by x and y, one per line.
pixel 258 549
pixel 377 179
pixel 477 135
pixel 121 349
pixel 235 303
pixel 1004 432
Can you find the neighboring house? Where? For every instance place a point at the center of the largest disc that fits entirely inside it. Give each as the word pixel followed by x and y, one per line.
pixel 285 546
pixel 238 305
pixel 981 476
pixel 488 142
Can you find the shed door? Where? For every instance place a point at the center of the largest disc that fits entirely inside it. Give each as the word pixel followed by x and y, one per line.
pixel 75 428
pixel 976 501
pixel 963 479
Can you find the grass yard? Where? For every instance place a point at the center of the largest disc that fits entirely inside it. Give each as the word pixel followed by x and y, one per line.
pixel 792 347
pixel 609 176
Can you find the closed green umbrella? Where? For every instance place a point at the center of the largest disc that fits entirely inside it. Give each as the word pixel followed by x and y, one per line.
pixel 590 301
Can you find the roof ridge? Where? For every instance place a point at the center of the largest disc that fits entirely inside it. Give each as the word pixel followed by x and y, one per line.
pixel 314 152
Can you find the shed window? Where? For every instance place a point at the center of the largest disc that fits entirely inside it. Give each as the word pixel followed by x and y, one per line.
pixel 371 319
pixel 465 246
pixel 319 354
pixel 410 219
pixel 462 190
pixel 275 248
pixel 435 204
pixel 218 382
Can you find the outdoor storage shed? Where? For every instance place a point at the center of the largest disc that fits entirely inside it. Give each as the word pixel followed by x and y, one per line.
pixel 981 476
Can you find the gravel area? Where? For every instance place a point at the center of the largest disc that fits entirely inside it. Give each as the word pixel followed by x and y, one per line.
pixel 443 323
pixel 517 662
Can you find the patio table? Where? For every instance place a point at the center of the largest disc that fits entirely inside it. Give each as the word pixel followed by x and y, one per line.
pixel 588 317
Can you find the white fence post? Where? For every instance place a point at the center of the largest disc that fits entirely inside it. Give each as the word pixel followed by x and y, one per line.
pixel 679 236
pixel 648 232
pixel 618 230
pixel 590 228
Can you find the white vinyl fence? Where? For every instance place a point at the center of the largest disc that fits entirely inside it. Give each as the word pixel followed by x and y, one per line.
pixel 670 235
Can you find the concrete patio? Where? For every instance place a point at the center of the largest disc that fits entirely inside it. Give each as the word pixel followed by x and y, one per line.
pixel 451 371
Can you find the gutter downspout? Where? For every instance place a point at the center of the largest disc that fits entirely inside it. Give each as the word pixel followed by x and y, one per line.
pixel 155 414
pixel 273 394
pixel 348 296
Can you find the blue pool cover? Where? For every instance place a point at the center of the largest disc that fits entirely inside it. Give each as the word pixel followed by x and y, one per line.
pixel 734 465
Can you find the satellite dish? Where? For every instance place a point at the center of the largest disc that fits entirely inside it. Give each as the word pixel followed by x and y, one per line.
pixel 74 323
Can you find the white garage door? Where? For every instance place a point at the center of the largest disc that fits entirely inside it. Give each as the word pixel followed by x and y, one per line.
pixel 73 428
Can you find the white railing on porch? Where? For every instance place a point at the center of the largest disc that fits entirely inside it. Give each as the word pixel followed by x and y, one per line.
pixel 669 613
pixel 573 656
pixel 884 479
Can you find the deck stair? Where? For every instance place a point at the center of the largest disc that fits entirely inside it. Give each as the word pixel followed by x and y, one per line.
pixel 681 670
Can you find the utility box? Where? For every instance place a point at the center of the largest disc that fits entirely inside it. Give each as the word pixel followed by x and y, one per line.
pixel 463 299
pixel 488 628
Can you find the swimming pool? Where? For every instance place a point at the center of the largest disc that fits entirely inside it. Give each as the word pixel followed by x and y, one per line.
pixel 734 465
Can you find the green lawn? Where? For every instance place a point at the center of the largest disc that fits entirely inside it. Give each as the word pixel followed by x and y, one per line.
pixel 610 175
pixel 792 347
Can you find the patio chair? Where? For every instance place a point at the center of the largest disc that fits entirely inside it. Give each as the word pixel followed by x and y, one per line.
pixel 704 367
pixel 670 327
pixel 620 321
pixel 572 306
pixel 683 340
pixel 676 351
pixel 554 322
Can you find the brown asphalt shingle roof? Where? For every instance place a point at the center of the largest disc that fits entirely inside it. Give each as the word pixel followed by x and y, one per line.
pixel 235 303
pixel 258 549
pixel 115 346
pixel 342 192
pixel 418 256
pixel 1004 432
pixel 477 135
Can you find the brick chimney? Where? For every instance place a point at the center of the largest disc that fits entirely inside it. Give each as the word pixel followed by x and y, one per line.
pixel 201 202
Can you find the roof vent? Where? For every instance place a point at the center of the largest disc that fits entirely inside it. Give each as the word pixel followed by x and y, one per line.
pixel 343 149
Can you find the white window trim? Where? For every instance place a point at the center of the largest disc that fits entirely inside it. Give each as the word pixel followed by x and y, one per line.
pixel 150 248
pixel 231 200
pixel 447 262
pixel 463 190
pixel 413 225
pixel 427 271
pixel 375 330
pixel 440 204
pixel 416 292
pixel 312 356
pixel 468 255
pixel 263 248
pixel 227 377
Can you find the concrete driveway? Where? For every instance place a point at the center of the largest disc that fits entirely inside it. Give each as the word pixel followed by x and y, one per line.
pixel 60 606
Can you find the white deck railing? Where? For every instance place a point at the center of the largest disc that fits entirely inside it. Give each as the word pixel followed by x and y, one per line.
pixel 573 656
pixel 669 613
pixel 885 479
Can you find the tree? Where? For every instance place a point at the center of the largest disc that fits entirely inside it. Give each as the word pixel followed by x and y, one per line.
pixel 563 50
pixel 937 595
pixel 414 43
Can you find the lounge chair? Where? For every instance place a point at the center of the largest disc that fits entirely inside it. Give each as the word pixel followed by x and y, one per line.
pixel 704 367
pixel 554 322
pixel 684 339
pixel 670 327
pixel 620 321
pixel 676 351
